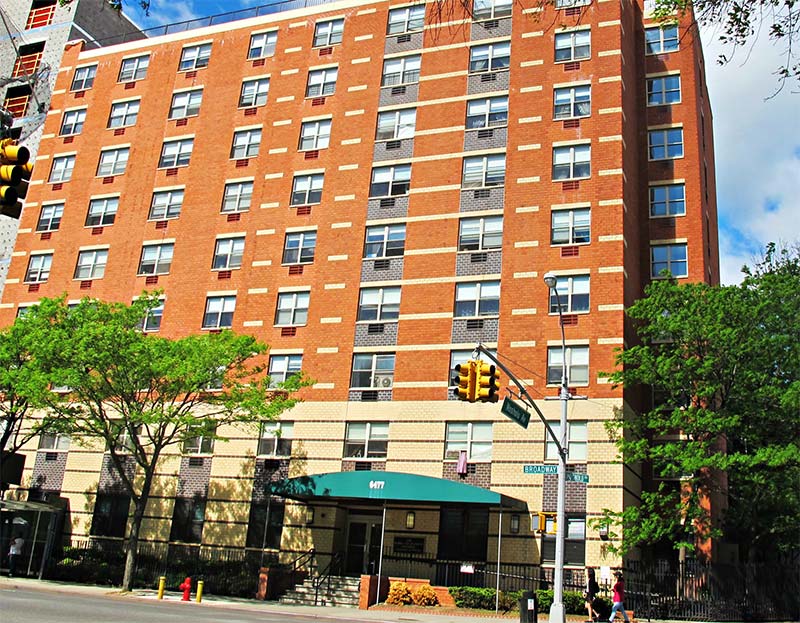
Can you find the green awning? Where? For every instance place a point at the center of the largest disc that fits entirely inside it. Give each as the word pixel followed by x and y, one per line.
pixel 389 486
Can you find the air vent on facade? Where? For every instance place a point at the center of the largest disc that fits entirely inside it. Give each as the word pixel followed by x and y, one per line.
pixel 387 202
pixel 191 74
pixel 474 324
pixel 570 320
pixel 369 396
pixel 242 163
pixel 86 285
pixel 296 269
pixel 259 62
pixel 570 251
pixel 382 264
pixel 486 133
pixel 58 186
pixel 51 456
pixel 288 331
pixel 196 461
pixel 68 139
pixel 363 466
pixel 482 193
pixel 224 274
pixel 572 123
pixel 79 94
pixel 161 224
pixel 471 468
pixel 477 258
pixel 34 287
pixel 574 66
pixel 249 112
pixel 151 280
pixel 401 90
pixel 404 38
pixel 106 180
pixel 393 144
pixel 130 85
pixel 374 328
pixel 572 11
pixel 318 101
pixel 311 155
pixel 46 235
pixel 303 210
pixel 325 51
pixel 119 131
pixel 573 185
pixel 492 23
pixel 232 218
pixel 490 77
pixel 181 122
pixel 96 231
pixel 172 172
pixel 271 465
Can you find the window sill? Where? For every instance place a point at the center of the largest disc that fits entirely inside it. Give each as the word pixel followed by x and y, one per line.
pixel 488 317
pixel 369 389
pixel 484 187
pixel 152 274
pixel 666 216
pixel 480 20
pixel 573 60
pixel 471 251
pixel 221 270
pixel 214 329
pixel 371 459
pixel 166 218
pixel 399 138
pixel 378 321
pixel 399 84
pixel 501 70
pixel 303 205
pixel 389 196
pixel 571 313
pixel 297 263
pixel 184 117
pixel 570 179
pixel 405 32
pixel 572 118
pixel 570 244
pixel 666 159
pixel 273 456
pixel 662 52
pixel 663 278
pixel 487 127
pixel 664 104
pixel 160 168
pixel 288 326
pixel 60 450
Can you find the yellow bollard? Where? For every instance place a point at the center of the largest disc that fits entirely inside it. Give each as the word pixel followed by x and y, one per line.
pixel 199 591
pixel 162 582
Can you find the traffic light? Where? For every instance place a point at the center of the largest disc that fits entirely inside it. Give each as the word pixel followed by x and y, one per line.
pixel 464 380
pixel 488 384
pixel 15 171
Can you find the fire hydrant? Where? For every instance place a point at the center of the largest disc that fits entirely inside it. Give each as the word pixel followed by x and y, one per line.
pixel 186 587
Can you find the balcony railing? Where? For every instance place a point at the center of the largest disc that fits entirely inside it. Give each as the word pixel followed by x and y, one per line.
pixel 26 65
pixel 41 16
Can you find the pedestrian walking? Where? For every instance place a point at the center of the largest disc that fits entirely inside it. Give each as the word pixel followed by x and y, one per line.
pixel 15 554
pixel 589 595
pixel 619 598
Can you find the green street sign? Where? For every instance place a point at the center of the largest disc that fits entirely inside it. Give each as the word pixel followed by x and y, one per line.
pixel 576 477
pixel 514 412
pixel 540 469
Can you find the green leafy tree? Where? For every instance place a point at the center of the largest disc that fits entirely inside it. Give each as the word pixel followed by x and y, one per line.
pixel 723 364
pixel 140 394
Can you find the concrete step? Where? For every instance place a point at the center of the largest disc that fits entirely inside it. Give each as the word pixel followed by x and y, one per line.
pixel 308 600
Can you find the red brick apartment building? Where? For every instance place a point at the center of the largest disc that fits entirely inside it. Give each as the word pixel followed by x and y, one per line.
pixel 372 190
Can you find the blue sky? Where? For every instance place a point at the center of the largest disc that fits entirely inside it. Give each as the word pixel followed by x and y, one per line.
pixel 756 136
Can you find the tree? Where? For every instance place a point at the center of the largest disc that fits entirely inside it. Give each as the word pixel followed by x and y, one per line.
pixel 140 394
pixel 723 364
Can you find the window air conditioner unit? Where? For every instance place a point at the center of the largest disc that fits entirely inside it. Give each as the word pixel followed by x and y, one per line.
pixel 382 380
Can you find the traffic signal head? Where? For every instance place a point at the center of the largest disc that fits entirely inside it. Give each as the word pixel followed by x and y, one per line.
pixel 464 380
pixel 15 170
pixel 488 384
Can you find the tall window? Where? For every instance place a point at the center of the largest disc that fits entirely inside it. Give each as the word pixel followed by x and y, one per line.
pixel 156 259
pixel 265 524
pixel 665 144
pixel 113 161
pixel 246 144
pixel 176 153
pixel 668 200
pixel 487 113
pixel 188 518
pixel 307 189
pixel 292 308
pixel 54 441
pixel 571 162
pixel 479 298
pixel 38 270
pixel 473 437
pixel 166 204
pixel 372 370
pixel 228 253
pixel 123 114
pixel 484 171
pixel 186 104
pixel 299 247
pixel 315 134
pixel 321 82
pixel 385 241
pixel 72 122
pixel 254 93
pixel 110 516
pixel 664 90
pixel 195 57
pixel 396 124
pixel 151 322
pixel 262 45
pixel 577 438
pixel 379 304
pixel 491 57
pixel 328 32
pixel 480 234
pixel 237 197
pixel 491 9
pixel 366 440
pixel 573 46
pixel 577 365
pixel 50 217
pixel 572 102
pixel 91 264
pixel 61 171
pixel 668 257
pixel 282 367
pixel 134 68
pixel 84 78
pixel 201 441
pixel 658 39
pixel 102 212
pixel 390 181
pixel 571 226
pixel 406 19
pixel 275 439
pixel 219 312
pixel 574 541
pixel 404 70
pixel 573 292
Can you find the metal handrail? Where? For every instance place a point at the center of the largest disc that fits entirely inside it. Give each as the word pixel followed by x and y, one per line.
pixel 325 576
pixel 306 558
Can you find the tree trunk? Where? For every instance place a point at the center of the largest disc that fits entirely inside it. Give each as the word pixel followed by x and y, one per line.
pixel 133 535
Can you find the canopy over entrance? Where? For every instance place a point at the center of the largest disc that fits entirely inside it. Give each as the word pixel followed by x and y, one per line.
pixel 389 486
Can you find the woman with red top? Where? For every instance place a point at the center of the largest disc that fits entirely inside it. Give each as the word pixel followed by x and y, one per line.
pixel 619 598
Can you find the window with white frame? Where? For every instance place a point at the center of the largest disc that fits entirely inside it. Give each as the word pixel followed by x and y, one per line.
pixel 379 304
pixel 91 264
pixel 484 171
pixel 474 438
pixel 661 39
pixel 38 270
pixel 572 162
pixel 84 78
pixel 572 102
pixel 668 200
pixel 237 197
pixel 664 90
pixel 275 439
pixel 200 441
pixel 61 170
pixel 166 204
pixel 577 439
pixel 156 259
pixel 54 442
pixel 151 323
pixel 176 153
pixel 299 247
pixel 195 57
pixel 403 70
pixel 186 104
pixel 568 4
pixel 282 367
pixel 390 181
pixel 577 365
pixel 292 309
pixel 219 312
pixel 396 124
pixel 491 9
pixel 366 440
pixel 477 298
pixel 571 226
pixel 487 113
pixel 315 134
pixel 406 19
pixel 102 211
pixel 575 45
pixel 321 82
pixel 228 253
pixel 385 241
pixel 262 45
pixel 670 258
pixel 254 93
pixel 72 122
pixel 246 144
pixel 328 32
pixel 307 189
pixel 133 68
pixel 50 217
pixel 480 234
pixel 123 114
pixel 113 161
pixel 573 293
pixel 489 57
pixel 372 371
pixel 665 144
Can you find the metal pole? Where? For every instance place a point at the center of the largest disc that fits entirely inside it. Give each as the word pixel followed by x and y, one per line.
pixel 380 556
pixel 497 567
pixel 33 542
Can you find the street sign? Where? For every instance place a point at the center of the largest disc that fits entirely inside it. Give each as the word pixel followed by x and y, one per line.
pixel 576 477
pixel 513 411
pixel 540 469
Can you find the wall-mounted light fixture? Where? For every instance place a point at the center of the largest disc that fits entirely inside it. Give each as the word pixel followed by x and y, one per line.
pixel 309 515
pixel 514 524
pixel 411 520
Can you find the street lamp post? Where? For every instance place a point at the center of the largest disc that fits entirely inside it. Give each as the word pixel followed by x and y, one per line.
pixel 557 611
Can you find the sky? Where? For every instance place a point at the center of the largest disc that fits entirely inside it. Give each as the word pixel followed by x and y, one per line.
pixel 756 136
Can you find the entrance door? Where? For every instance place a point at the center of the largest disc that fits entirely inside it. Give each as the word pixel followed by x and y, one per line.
pixel 363 545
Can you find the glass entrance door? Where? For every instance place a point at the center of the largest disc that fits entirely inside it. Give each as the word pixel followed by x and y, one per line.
pixel 363 545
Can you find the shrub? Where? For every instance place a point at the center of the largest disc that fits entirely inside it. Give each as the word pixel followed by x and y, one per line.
pixel 399 594
pixel 425 596
pixel 483 598
pixel 573 601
